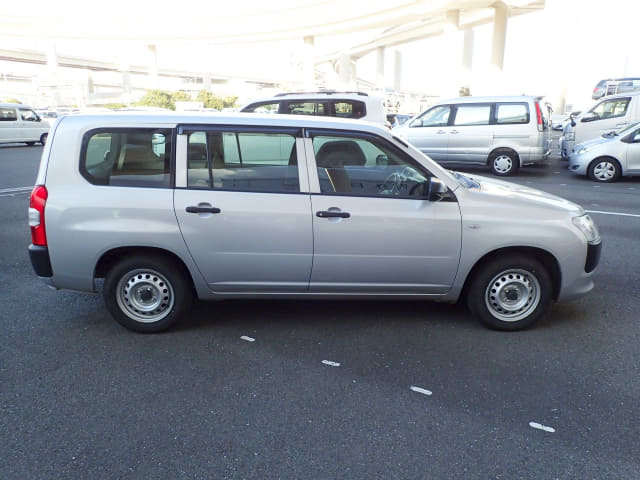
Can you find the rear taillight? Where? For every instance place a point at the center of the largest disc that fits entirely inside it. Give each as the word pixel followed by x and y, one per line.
pixel 539 117
pixel 36 215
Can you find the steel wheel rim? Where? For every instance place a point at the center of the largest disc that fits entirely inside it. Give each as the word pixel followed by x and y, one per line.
pixel 145 295
pixel 604 171
pixel 512 295
pixel 502 163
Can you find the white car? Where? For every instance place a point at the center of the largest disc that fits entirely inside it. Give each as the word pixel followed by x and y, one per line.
pixel 354 105
pixel 21 124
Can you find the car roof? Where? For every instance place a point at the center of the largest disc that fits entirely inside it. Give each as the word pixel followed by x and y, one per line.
pixel 222 119
pixel 21 105
pixel 495 98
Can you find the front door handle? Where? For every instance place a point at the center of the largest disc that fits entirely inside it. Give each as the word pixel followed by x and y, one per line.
pixel 332 214
pixel 193 209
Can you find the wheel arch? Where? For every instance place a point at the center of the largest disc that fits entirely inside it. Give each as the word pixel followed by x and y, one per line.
pixel 606 157
pixel 111 257
pixel 543 256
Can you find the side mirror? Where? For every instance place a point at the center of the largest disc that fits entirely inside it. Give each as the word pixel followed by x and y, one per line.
pixel 437 189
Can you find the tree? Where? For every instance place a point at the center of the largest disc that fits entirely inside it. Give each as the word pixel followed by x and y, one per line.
pixel 158 98
pixel 211 100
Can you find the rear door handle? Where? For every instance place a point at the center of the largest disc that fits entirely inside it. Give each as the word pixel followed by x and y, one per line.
pixel 193 209
pixel 440 132
pixel 332 214
pixel 455 131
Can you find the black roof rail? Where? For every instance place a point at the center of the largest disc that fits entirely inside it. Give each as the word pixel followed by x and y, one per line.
pixel 326 92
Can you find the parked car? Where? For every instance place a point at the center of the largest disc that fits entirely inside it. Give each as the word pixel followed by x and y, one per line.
pixel 397 119
pixel 612 113
pixel 613 86
pixel 354 105
pixel 504 133
pixel 21 124
pixel 609 157
pixel 167 207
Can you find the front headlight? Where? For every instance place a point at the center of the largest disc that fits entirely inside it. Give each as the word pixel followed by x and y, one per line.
pixel 588 227
pixel 583 149
pixel 570 136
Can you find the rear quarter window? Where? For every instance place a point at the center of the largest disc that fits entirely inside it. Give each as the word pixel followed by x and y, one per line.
pixel 512 113
pixel 127 157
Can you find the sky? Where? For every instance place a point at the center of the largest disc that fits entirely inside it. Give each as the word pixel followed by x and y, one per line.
pixel 564 49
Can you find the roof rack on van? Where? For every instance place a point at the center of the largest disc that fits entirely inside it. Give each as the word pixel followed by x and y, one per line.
pixel 326 92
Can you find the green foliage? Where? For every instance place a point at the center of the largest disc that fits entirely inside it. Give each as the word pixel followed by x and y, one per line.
pixel 211 100
pixel 158 98
pixel 114 106
pixel 164 99
pixel 12 100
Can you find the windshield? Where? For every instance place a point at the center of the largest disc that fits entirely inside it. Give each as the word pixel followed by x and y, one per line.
pixel 465 181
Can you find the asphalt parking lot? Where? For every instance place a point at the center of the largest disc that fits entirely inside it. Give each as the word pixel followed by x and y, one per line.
pixel 322 390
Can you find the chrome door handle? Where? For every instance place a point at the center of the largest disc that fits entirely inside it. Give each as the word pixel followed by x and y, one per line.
pixel 440 132
pixel 454 131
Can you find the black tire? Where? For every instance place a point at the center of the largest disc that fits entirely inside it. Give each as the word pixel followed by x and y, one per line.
pixel 43 138
pixel 510 292
pixel 604 170
pixel 503 163
pixel 147 293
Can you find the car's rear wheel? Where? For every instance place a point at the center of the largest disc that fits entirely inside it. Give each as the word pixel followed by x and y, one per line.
pixel 503 163
pixel 147 293
pixel 43 138
pixel 604 170
pixel 510 293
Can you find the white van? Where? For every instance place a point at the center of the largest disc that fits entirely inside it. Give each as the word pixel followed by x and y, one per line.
pixel 503 132
pixel 611 114
pixel 20 123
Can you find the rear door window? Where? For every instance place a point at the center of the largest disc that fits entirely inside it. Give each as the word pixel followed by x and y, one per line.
pixel 307 108
pixel 127 157
pixel 245 161
pixel 472 115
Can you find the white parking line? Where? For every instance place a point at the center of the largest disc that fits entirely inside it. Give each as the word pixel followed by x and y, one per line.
pixel 614 213
pixel 248 339
pixel 420 390
pixel 539 426
pixel 10 192
pixel 330 363
pixel 16 189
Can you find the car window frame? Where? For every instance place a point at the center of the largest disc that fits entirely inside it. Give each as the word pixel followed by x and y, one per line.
pixel 454 115
pixel 296 132
pixel 137 129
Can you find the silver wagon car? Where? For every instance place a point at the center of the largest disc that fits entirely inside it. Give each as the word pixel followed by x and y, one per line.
pixel 168 207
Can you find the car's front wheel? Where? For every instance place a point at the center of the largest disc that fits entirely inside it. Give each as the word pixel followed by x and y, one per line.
pixel 510 293
pixel 43 138
pixel 604 170
pixel 147 293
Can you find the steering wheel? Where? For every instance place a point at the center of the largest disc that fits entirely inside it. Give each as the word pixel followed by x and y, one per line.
pixel 393 183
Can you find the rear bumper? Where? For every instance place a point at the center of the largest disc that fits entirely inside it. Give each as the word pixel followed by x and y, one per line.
pixel 40 260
